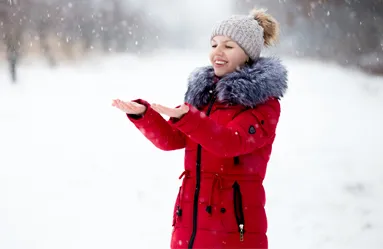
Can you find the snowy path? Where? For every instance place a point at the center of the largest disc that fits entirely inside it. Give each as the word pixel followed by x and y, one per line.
pixel 74 173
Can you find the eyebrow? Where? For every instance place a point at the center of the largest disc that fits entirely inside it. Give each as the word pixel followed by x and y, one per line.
pixel 223 41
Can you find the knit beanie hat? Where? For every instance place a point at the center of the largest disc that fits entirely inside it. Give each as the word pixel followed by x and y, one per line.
pixel 251 32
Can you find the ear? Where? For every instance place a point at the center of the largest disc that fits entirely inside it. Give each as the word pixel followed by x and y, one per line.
pixel 249 61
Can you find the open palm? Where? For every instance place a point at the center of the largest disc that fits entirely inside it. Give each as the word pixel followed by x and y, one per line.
pixel 171 112
pixel 129 107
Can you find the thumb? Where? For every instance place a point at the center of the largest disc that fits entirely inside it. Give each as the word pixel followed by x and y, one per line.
pixel 136 104
pixel 184 107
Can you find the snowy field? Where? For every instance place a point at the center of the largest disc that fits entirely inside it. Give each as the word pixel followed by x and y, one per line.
pixel 75 174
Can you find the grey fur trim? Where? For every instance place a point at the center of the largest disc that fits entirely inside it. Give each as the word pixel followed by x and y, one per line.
pixel 248 86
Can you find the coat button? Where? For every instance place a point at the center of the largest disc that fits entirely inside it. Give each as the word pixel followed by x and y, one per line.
pixel 208 209
pixel 223 210
pixel 252 129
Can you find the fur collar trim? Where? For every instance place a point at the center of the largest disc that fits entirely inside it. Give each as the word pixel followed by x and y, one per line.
pixel 248 86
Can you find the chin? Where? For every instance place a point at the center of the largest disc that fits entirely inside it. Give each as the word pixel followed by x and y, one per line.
pixel 219 73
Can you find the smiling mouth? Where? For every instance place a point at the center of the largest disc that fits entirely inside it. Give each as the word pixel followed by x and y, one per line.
pixel 220 62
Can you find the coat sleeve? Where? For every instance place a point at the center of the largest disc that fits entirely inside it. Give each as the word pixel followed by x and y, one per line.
pixel 157 130
pixel 248 131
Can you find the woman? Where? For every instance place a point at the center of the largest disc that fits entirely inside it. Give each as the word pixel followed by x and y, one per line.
pixel 227 127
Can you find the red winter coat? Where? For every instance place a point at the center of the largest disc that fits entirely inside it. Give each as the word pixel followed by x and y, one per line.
pixel 227 136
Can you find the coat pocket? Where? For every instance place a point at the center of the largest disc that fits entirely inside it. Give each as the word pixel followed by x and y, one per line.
pixel 238 210
pixel 244 210
pixel 233 219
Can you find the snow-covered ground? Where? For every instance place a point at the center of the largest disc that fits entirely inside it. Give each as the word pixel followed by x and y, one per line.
pixel 74 173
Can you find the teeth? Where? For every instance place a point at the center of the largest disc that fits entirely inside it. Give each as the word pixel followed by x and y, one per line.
pixel 220 62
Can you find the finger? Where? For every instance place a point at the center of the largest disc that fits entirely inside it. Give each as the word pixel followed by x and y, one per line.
pixel 156 107
pixel 167 112
pixel 165 109
pixel 184 108
pixel 132 106
pixel 118 103
pixel 162 110
pixel 114 102
pixel 135 104
pixel 128 106
pixel 171 112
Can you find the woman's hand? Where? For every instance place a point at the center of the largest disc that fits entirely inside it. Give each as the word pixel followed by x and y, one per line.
pixel 129 107
pixel 171 112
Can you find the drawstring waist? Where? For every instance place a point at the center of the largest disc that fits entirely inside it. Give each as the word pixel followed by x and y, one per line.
pixel 217 184
pixel 217 179
pixel 185 173
pixel 232 177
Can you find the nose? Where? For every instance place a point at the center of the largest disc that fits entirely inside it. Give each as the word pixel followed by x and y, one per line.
pixel 218 50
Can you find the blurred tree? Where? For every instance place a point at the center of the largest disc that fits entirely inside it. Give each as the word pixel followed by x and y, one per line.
pixel 13 22
pixel 73 28
pixel 42 22
pixel 347 31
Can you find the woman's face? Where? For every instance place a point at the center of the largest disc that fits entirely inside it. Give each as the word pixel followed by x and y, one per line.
pixel 226 55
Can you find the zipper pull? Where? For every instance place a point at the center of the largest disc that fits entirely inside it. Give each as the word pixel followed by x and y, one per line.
pixel 241 232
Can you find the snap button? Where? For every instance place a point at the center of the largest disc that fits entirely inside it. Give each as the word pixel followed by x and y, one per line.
pixel 252 129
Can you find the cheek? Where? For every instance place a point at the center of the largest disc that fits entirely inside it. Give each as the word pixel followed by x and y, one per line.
pixel 239 60
pixel 211 55
pixel 233 60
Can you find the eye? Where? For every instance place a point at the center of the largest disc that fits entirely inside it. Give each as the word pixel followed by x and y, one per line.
pixel 229 47
pixel 214 46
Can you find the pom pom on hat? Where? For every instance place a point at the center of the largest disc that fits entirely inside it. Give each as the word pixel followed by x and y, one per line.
pixel 269 24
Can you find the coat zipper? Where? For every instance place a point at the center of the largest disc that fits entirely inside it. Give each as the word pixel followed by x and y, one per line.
pixel 198 180
pixel 238 210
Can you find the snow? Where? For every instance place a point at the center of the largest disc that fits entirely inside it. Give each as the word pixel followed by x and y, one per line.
pixel 74 173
